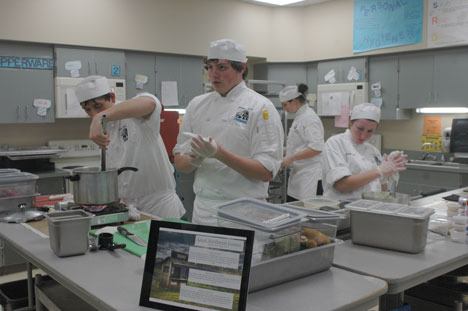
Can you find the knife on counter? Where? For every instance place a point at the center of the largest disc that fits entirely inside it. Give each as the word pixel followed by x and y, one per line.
pixel 131 236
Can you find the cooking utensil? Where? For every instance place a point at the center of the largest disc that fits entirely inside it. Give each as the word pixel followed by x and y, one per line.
pixel 131 236
pixel 103 149
pixel 93 186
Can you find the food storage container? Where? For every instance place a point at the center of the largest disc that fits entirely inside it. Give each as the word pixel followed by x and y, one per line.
pixel 385 196
pixel 328 206
pixel 389 225
pixel 277 253
pixel 16 184
pixel 68 232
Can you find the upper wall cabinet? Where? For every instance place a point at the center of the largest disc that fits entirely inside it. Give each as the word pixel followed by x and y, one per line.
pixel 141 75
pixel 284 73
pixel 82 62
pixel 384 69
pixel 415 80
pixel 26 88
pixel 187 71
pixel 434 79
pixel 450 82
pixel 342 71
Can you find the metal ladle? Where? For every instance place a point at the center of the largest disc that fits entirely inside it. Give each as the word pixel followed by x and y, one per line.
pixel 103 149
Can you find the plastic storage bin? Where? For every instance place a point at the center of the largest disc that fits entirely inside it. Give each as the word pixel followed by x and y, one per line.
pixel 278 256
pixel 328 206
pixel 14 295
pixel 389 225
pixel 16 184
pixel 68 232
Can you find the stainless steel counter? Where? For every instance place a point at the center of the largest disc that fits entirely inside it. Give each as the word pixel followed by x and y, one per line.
pixel 112 280
pixel 438 166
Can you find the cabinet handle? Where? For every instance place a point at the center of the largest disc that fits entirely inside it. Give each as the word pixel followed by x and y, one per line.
pixel 25 112
pixel 95 68
pixel 89 68
pixel 17 112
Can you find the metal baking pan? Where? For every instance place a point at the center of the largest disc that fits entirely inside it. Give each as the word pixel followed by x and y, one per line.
pixel 260 214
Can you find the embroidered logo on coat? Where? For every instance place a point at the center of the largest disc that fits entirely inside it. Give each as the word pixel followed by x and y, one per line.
pixel 123 131
pixel 242 116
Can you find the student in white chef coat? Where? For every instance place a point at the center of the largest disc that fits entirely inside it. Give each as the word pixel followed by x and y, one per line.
pixel 351 165
pixel 237 146
pixel 304 145
pixel 132 139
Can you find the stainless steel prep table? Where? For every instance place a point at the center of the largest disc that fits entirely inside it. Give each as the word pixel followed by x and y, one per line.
pixel 402 270
pixel 112 280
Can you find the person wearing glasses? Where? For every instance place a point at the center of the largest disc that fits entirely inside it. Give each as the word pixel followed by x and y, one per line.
pixel 303 146
pixel 351 165
pixel 132 139
pixel 232 137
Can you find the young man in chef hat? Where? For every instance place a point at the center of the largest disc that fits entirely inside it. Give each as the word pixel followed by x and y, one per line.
pixel 132 139
pixel 232 136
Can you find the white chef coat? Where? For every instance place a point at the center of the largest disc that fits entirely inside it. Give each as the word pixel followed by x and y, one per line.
pixel 243 122
pixel 306 132
pixel 136 142
pixel 343 157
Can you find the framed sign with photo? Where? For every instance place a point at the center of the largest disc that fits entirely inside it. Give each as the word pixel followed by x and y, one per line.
pixel 195 267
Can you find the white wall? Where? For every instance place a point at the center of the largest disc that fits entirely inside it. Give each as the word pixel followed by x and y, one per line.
pixel 315 32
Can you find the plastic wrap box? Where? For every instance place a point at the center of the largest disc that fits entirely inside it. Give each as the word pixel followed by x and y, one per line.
pixel 68 232
pixel 389 225
pixel 277 255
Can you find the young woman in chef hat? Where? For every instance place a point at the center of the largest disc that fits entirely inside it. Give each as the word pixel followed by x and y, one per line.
pixel 304 145
pixel 351 165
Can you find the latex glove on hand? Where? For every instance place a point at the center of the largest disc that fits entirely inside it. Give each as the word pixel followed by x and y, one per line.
pixel 195 161
pixel 391 166
pixel 204 147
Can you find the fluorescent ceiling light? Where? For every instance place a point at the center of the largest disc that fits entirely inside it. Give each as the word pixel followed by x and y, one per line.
pixel 442 110
pixel 279 2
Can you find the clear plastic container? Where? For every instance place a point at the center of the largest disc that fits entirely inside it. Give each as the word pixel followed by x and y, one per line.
pixel 16 184
pixel 68 232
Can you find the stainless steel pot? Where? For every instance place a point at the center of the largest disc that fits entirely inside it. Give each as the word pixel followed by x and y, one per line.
pixel 93 186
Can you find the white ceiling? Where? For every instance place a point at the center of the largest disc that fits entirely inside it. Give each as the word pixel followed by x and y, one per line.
pixel 303 3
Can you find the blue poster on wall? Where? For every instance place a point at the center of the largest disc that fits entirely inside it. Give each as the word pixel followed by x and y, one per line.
pixel 386 23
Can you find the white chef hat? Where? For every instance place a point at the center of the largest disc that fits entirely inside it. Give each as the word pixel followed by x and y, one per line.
pixel 227 49
pixel 288 93
pixel 366 111
pixel 92 87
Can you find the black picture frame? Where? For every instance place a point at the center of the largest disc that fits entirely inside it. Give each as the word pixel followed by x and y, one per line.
pixel 179 238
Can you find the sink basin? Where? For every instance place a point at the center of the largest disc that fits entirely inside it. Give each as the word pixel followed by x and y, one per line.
pixel 438 163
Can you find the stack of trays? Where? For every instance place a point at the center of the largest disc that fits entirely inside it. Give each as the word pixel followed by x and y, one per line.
pixel 389 225
pixel 278 256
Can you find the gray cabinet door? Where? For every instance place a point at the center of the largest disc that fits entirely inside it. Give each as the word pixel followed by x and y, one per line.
pixel 415 80
pixel 20 87
pixel 341 68
pixel 312 77
pixel 450 78
pixel 142 64
pixel 385 70
pixel 186 70
pixel 108 63
pixel 64 55
pixel 191 78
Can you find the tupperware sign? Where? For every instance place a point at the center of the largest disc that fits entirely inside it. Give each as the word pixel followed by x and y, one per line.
pixel 20 62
